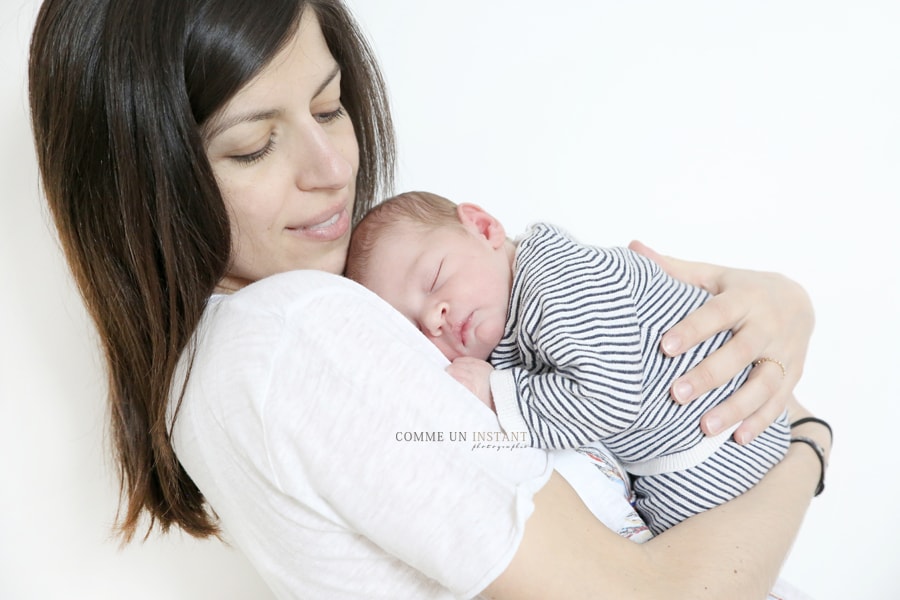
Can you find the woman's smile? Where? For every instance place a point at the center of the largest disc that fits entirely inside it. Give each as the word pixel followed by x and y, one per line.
pixel 330 225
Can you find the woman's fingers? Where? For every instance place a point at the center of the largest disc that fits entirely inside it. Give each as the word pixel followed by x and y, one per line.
pixel 757 403
pixel 718 314
pixel 771 319
pixel 716 369
pixel 703 275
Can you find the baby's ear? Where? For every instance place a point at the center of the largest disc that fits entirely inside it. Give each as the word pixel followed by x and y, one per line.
pixel 479 221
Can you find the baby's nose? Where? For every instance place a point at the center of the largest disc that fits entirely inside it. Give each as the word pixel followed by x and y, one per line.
pixel 434 319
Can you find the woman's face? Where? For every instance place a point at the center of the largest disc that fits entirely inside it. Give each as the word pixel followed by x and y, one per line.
pixel 285 156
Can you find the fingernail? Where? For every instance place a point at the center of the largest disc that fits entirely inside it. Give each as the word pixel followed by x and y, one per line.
pixel 671 344
pixel 741 437
pixel 714 425
pixel 682 391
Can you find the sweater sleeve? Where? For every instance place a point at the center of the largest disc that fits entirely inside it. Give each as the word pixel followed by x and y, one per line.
pixel 581 343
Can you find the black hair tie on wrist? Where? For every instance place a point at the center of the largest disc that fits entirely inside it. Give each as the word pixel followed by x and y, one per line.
pixel 814 420
pixel 820 453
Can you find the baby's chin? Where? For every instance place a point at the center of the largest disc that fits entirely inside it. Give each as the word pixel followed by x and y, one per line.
pixel 480 350
pixel 484 355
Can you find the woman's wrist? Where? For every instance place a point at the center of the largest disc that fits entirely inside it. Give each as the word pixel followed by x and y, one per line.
pixel 816 429
pixel 820 422
pixel 816 435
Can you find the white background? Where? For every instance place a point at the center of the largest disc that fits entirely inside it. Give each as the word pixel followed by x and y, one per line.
pixel 758 134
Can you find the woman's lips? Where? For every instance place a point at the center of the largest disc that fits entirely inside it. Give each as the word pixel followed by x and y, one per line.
pixel 329 226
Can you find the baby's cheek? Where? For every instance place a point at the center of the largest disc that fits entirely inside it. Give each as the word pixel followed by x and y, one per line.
pixel 490 333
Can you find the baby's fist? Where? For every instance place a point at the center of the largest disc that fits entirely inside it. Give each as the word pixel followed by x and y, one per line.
pixel 475 374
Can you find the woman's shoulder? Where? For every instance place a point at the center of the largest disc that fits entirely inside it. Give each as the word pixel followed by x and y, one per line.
pixel 284 290
pixel 305 306
pixel 291 335
pixel 306 295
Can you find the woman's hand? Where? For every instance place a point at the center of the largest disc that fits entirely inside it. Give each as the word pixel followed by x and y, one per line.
pixel 772 320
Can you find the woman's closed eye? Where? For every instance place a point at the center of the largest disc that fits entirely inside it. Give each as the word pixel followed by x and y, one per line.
pixel 257 155
pixel 325 118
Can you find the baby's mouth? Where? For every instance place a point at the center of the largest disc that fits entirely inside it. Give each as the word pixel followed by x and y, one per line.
pixel 464 328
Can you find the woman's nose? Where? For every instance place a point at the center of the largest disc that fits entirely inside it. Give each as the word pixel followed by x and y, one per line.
pixel 322 163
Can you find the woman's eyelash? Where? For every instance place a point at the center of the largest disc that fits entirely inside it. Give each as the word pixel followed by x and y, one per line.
pixel 334 115
pixel 253 157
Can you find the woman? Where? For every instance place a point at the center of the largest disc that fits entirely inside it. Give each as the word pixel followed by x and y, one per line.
pixel 195 156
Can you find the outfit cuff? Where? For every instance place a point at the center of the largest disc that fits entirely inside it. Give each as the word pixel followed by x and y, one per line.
pixel 685 459
pixel 506 402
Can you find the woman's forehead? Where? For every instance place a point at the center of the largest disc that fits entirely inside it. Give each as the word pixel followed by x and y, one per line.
pixel 299 73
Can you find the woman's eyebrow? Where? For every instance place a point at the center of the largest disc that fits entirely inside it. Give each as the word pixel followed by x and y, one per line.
pixel 226 124
pixel 335 71
pixel 267 114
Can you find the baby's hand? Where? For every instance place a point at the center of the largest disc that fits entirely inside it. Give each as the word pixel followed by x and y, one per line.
pixel 475 374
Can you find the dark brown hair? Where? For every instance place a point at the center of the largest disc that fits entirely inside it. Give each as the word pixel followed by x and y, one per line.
pixel 119 93
pixel 419 208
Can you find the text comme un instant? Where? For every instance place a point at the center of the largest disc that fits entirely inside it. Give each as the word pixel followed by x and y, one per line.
pixel 513 437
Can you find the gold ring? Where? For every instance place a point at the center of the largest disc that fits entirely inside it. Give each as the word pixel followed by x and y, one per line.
pixel 758 362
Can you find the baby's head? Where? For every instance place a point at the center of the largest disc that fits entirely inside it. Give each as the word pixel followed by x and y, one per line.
pixel 446 267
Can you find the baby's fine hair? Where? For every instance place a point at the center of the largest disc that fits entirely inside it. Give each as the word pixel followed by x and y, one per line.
pixel 421 208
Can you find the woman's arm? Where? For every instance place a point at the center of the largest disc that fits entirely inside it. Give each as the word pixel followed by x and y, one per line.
pixel 771 317
pixel 732 551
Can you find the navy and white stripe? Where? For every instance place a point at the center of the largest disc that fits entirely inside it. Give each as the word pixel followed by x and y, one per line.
pixel 582 342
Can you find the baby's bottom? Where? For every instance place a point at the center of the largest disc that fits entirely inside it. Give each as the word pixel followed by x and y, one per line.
pixel 666 499
pixel 604 487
